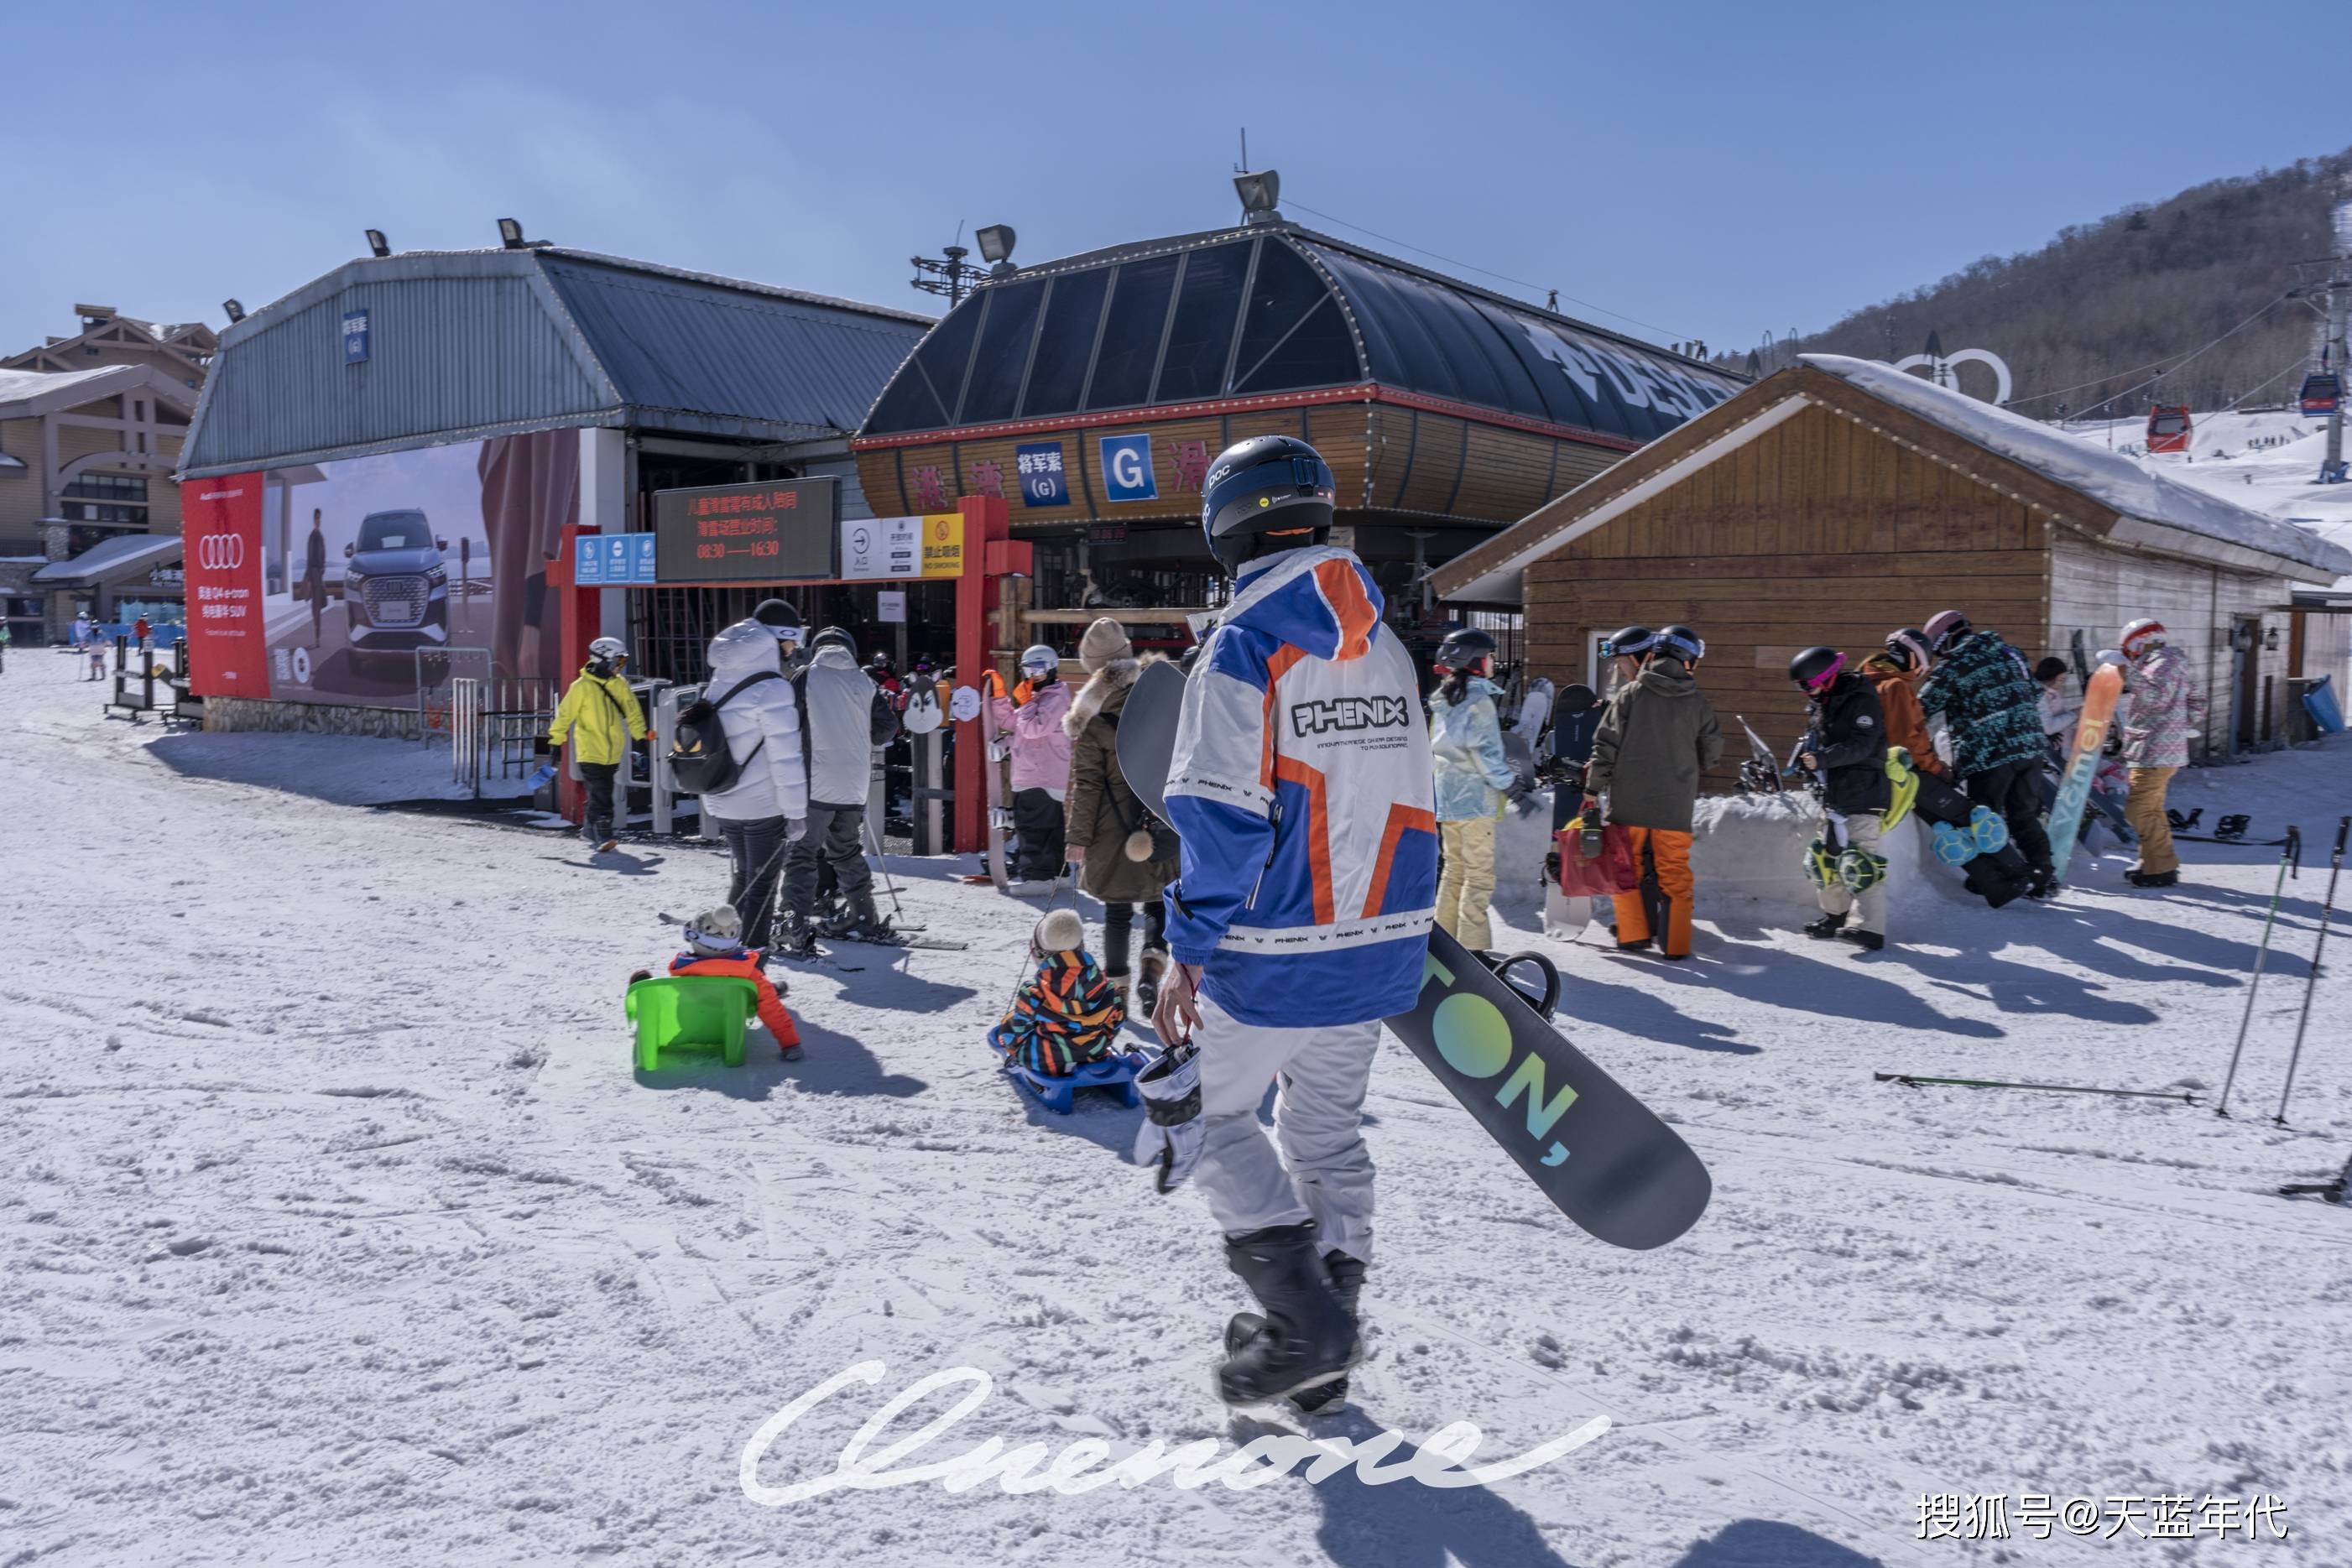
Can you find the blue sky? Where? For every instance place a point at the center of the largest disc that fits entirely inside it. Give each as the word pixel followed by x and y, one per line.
pixel 1707 170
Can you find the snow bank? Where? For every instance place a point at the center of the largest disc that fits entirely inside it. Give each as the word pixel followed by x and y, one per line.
pixel 2104 476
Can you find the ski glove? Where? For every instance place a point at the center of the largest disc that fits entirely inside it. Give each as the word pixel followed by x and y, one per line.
pixel 795 830
pixel 1169 1139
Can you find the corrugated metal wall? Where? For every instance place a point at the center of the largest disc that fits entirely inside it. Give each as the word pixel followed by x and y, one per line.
pixel 457 347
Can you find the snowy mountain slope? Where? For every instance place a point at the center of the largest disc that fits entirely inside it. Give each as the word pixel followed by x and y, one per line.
pixel 337 1227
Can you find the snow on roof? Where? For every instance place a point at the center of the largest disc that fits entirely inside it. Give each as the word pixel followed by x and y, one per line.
pixel 2107 478
pixel 16 385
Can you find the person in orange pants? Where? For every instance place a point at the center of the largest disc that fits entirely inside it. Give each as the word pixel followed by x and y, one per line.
pixel 1668 859
pixel 1655 741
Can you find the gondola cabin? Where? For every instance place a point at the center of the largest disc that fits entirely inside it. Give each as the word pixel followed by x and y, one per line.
pixel 2167 429
pixel 2323 391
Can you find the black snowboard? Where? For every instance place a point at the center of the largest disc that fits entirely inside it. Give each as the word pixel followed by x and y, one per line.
pixel 1597 1153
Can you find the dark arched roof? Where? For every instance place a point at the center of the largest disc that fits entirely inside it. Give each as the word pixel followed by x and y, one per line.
pixel 1248 313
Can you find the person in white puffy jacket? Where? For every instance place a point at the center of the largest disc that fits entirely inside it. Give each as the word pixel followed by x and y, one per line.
pixel 768 806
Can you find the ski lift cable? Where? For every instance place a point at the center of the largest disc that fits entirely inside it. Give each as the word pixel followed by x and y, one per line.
pixel 2159 375
pixel 2167 370
pixel 1487 271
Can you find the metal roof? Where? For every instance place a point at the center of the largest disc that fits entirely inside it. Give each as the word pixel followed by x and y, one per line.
pixel 111 561
pixel 1269 310
pixel 465 345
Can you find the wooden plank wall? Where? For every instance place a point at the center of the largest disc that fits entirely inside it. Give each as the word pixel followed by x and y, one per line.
pixel 1817 531
pixel 2097 588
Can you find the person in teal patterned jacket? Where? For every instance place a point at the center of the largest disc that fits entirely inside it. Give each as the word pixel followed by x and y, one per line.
pixel 1988 699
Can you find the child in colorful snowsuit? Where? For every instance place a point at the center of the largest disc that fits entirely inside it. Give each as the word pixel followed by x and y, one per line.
pixel 714 948
pixel 1067 1014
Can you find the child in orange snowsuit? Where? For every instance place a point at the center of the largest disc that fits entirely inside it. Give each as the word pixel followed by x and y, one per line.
pixel 714 948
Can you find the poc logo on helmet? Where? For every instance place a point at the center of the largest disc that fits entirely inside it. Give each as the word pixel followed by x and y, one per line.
pixel 1350 712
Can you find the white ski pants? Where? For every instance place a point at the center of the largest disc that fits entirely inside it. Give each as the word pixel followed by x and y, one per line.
pixel 1322 1169
pixel 1869 906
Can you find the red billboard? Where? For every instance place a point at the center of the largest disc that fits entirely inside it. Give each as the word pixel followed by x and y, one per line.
pixel 228 642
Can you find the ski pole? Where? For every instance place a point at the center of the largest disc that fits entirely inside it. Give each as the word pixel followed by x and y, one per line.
pixel 1914 1080
pixel 888 885
pixel 2311 981
pixel 2291 856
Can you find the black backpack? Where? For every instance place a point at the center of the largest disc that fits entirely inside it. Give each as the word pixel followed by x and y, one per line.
pixel 700 757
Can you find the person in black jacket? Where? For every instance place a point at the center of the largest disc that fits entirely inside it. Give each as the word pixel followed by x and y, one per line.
pixel 1844 749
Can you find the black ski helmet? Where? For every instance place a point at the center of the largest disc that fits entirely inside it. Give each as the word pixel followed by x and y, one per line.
pixel 1265 484
pixel 835 637
pixel 1462 650
pixel 1578 698
pixel 1816 667
pixel 1906 649
pixel 1628 643
pixel 1682 642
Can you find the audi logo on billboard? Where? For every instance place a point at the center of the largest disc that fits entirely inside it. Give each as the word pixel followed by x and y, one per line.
pixel 220 553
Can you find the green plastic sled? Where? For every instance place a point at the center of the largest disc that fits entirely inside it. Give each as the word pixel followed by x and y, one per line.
pixel 703 1011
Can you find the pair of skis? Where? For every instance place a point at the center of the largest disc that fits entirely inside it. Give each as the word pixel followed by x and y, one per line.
pixel 1602 1156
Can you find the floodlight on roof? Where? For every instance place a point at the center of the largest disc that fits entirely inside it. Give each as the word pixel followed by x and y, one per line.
pixel 235 311
pixel 377 245
pixel 1258 193
pixel 995 242
pixel 510 234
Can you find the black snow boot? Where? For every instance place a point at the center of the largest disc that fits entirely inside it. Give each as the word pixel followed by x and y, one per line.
pixel 1827 926
pixel 1154 964
pixel 1306 1338
pixel 1347 1275
pixel 1868 941
pixel 2153 878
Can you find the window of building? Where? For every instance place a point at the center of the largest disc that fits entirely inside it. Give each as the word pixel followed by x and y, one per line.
pixel 1293 334
pixel 1202 335
pixel 930 383
pixel 130 487
pixel 1066 343
pixel 115 516
pixel 1130 338
pixel 1003 358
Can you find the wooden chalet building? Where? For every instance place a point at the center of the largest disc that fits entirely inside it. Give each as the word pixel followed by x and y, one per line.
pixel 1839 499
pixel 1091 393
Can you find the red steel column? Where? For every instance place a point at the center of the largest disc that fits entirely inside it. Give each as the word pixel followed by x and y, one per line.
pixel 987 556
pixel 579 613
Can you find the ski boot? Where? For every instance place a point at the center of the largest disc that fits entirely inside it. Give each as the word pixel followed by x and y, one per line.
pixel 2152 878
pixel 795 939
pixel 1147 982
pixel 1305 1337
pixel 1868 941
pixel 1347 1284
pixel 1827 926
pixel 1643 946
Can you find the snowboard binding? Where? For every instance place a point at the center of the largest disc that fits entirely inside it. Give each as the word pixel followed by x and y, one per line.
pixel 1543 996
pixel 2231 828
pixel 2183 822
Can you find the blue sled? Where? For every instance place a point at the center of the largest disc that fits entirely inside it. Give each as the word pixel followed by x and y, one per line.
pixel 1056 1094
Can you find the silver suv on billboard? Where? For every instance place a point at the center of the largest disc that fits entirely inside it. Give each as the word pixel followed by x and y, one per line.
pixel 397 585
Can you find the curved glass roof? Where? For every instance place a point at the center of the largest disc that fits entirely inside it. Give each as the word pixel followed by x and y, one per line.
pixel 1250 313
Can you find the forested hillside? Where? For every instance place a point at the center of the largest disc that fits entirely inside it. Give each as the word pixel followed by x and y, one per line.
pixel 2107 306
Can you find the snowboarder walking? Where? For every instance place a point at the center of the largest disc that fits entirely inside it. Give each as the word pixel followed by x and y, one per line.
pixel 1844 749
pixel 1041 761
pixel 2165 705
pixel 1980 687
pixel 1108 831
pixel 600 714
pixel 1896 671
pixel 1656 739
pixel 767 806
pixel 1301 784
pixel 1465 743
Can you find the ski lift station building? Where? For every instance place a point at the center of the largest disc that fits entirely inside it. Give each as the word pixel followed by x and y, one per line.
pixel 1839 499
pixel 1091 394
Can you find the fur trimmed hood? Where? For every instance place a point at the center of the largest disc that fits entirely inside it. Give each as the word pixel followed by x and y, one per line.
pixel 1118 675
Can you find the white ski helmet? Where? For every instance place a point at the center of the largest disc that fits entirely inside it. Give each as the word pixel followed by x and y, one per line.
pixel 1037 658
pixel 715 931
pixel 608 648
pixel 2142 634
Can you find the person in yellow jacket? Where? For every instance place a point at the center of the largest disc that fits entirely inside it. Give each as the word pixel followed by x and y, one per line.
pixel 601 715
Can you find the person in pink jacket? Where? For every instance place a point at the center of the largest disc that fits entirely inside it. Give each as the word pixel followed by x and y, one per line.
pixel 1041 762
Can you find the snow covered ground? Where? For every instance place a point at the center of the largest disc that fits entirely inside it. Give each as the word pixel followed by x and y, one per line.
pixel 337 1227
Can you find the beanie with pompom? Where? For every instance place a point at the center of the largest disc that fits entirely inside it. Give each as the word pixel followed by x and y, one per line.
pixel 1105 641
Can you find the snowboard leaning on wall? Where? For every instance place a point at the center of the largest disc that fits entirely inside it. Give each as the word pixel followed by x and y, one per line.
pixel 1600 1155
